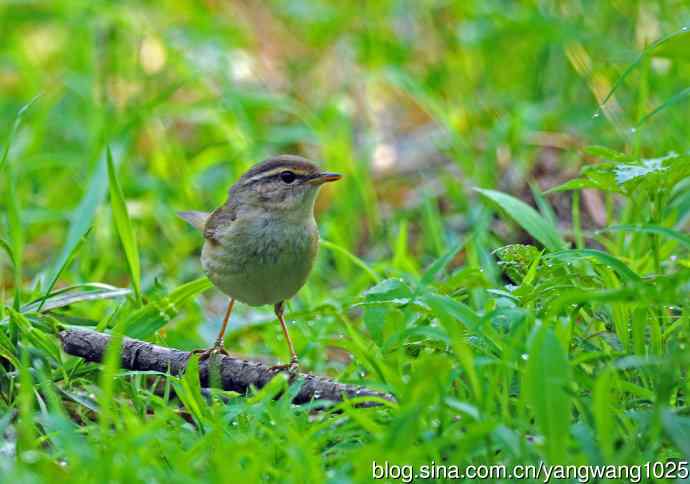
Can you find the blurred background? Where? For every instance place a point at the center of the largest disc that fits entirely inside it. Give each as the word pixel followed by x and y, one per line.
pixel 415 102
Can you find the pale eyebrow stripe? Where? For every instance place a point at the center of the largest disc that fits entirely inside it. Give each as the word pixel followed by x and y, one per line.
pixel 275 171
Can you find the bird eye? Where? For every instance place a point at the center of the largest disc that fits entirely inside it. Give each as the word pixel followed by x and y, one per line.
pixel 288 177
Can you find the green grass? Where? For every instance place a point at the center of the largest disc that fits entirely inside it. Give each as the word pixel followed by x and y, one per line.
pixel 505 255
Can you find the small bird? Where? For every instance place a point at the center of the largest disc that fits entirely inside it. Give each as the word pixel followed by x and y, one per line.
pixel 260 245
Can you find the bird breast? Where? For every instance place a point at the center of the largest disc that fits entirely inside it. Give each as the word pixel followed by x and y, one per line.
pixel 261 260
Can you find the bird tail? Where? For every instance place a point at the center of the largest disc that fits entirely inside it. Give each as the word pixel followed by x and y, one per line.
pixel 195 219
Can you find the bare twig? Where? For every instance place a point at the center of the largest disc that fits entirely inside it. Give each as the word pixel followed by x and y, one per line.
pixel 234 374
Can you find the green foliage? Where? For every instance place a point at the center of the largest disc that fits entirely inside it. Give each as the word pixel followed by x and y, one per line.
pixel 546 380
pixel 644 176
pixel 529 219
pixel 515 323
pixel 516 260
pixel 124 227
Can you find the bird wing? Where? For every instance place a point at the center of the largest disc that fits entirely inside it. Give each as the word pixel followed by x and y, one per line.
pixel 195 219
pixel 209 223
pixel 221 217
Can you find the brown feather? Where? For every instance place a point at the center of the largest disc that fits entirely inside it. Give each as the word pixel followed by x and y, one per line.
pixel 221 216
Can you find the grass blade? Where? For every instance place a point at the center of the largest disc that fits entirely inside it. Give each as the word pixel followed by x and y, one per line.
pixel 80 223
pixel 543 204
pixel 619 266
pixel 640 58
pixel 8 250
pixel 439 264
pixel 66 296
pixel 546 380
pixel 123 225
pixel 355 260
pixel 15 128
pixel 149 319
pixel 604 411
pixel 16 234
pixel 67 261
pixel 675 99
pixel 529 219
pixel 652 229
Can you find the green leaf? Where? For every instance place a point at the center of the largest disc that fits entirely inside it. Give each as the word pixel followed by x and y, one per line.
pixel 574 184
pixel 528 218
pixel 602 176
pixel 36 337
pixel 450 312
pixel 65 263
pixel 545 209
pixel 8 350
pixel 646 52
pixel 390 290
pixel 546 380
pixel 440 264
pixel 112 361
pixel 66 296
pixel 606 153
pixel 80 222
pixel 16 234
pixel 652 174
pixel 374 320
pixel 619 266
pixel 604 412
pixel 579 296
pixel 353 258
pixel 189 390
pixel 26 425
pixel 678 429
pixel 627 172
pixel 516 260
pixel 123 225
pixel 145 321
pixel 675 99
pixel 652 229
pixel 15 127
pixel 444 305
pixel 8 250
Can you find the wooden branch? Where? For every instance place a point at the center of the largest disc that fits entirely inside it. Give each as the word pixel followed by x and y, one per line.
pixel 235 374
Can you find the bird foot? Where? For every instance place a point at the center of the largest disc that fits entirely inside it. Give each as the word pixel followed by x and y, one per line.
pixel 208 353
pixel 292 368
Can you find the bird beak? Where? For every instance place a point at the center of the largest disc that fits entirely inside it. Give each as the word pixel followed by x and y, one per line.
pixel 322 178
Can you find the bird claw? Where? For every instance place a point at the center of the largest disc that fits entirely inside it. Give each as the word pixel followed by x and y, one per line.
pixel 292 367
pixel 208 353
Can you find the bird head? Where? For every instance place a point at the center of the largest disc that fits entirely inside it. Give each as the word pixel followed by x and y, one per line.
pixel 286 185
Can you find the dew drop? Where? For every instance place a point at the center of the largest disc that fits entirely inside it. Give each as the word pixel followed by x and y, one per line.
pixel 596 115
pixel 685 29
pixel 30 456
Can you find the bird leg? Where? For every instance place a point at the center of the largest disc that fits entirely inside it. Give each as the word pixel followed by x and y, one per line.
pixel 293 366
pixel 218 346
